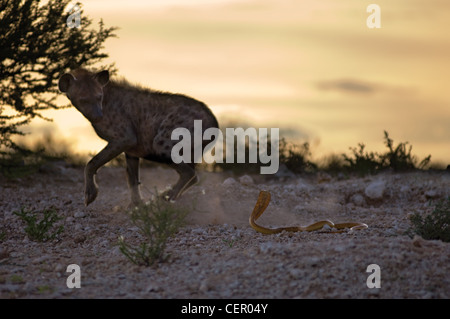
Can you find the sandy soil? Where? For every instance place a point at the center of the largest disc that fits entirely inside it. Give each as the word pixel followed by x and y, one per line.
pixel 217 254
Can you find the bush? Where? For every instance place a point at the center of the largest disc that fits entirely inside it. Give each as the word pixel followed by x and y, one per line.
pixel 296 157
pixel 157 221
pixel 26 159
pixel 40 230
pixel 37 47
pixel 362 162
pixel 19 162
pixel 397 158
pixel 435 225
pixel 400 158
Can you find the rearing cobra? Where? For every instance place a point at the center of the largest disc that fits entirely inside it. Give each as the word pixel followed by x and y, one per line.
pixel 263 202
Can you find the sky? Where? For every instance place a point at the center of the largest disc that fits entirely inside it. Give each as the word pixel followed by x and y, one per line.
pixel 312 67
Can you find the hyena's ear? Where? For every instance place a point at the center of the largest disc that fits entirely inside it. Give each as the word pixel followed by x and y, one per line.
pixel 102 77
pixel 65 81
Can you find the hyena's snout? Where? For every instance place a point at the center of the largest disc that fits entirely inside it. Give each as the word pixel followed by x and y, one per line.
pixel 92 110
pixel 97 113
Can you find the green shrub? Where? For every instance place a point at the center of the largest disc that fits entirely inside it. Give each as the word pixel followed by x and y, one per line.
pixel 40 230
pixel 26 159
pixel 157 221
pixel 435 225
pixel 296 157
pixel 19 162
pixel 362 162
pixel 398 158
pixel 332 163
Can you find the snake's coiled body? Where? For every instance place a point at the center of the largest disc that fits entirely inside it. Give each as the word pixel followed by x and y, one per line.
pixel 263 202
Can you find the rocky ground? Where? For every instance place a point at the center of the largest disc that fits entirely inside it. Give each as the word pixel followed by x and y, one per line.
pixel 217 254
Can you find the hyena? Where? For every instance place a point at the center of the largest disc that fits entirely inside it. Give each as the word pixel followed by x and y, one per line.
pixel 136 121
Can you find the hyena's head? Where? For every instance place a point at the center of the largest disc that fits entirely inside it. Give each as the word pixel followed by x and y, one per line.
pixel 85 90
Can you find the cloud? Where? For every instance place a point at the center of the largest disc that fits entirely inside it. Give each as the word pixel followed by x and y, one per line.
pixel 348 86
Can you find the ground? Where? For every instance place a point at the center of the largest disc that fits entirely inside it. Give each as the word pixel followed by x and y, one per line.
pixel 217 254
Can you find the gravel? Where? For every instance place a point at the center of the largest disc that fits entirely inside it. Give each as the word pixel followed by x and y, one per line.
pixel 217 254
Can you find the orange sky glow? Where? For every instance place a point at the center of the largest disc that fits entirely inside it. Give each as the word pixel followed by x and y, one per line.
pixel 312 68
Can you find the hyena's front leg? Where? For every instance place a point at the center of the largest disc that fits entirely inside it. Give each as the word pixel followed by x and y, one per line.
pixel 108 153
pixel 133 179
pixel 186 180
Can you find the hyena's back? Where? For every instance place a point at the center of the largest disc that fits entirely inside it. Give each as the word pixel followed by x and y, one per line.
pixel 153 115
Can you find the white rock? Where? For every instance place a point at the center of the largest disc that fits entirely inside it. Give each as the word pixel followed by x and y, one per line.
pixel 301 186
pixel 375 189
pixel 69 219
pixel 153 287
pixel 246 180
pixel 432 193
pixel 358 200
pixel 230 181
pixel 79 214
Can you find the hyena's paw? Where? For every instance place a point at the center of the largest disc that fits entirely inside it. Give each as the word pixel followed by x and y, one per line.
pixel 135 203
pixel 90 193
pixel 169 195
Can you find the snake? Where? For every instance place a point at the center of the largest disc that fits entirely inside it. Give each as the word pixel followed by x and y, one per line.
pixel 264 200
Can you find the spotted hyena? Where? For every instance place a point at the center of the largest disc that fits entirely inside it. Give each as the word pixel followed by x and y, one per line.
pixel 136 121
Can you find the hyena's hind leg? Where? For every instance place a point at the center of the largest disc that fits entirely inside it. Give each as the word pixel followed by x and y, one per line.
pixel 133 179
pixel 187 178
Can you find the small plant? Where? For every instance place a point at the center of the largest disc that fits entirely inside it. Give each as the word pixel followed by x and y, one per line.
pixel 17 279
pixel 296 157
pixel 157 221
pixel 332 163
pixel 18 163
pixel 362 162
pixel 230 242
pixel 399 158
pixel 435 225
pixel 40 230
pixel 45 289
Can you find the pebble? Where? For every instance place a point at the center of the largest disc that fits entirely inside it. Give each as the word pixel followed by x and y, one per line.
pixel 246 180
pixel 417 241
pixel 375 190
pixel 358 200
pixel 432 193
pixel 79 215
pixel 153 288
pixel 40 259
pixel 230 181
pixel 59 267
pixel 3 254
pixel 70 219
